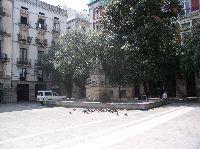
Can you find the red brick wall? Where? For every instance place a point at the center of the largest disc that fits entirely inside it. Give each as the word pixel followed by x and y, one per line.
pixel 194 5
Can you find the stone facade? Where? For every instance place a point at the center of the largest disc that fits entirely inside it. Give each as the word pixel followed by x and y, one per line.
pixel 28 29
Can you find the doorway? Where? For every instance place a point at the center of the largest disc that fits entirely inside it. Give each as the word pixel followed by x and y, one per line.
pixel 22 92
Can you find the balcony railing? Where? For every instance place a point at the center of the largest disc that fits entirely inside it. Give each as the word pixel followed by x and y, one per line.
pixel 2 11
pixel 23 61
pixel 41 26
pixel 24 25
pixel 41 42
pixel 4 57
pixel 38 63
pixel 56 30
pixel 2 32
pixel 24 40
pixel 190 11
pixel 22 77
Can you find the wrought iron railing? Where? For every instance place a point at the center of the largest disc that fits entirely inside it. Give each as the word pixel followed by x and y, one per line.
pixel 23 61
pixel 41 42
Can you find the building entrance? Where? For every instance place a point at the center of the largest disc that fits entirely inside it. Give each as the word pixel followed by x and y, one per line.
pixel 22 92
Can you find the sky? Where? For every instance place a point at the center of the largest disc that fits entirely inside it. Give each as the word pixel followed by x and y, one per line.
pixel 78 5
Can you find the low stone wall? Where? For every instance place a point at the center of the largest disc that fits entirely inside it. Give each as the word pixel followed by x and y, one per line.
pixel 141 105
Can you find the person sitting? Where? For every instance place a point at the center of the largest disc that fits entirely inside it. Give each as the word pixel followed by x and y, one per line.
pixel 164 96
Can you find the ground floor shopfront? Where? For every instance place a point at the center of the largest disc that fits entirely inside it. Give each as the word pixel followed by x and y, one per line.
pixel 27 91
pixel 17 91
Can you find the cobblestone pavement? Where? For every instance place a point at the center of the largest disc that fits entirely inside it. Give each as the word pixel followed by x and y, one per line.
pixel 31 126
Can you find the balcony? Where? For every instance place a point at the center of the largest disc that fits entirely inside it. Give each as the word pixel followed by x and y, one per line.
pixel 24 61
pixel 41 27
pixel 25 40
pixel 2 11
pixel 42 43
pixel 25 12
pixel 38 63
pixel 22 77
pixel 56 30
pixel 24 26
pixel 190 12
pixel 4 57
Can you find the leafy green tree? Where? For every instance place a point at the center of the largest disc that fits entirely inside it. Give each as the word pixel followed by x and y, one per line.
pixel 148 32
pixel 71 58
pixel 189 56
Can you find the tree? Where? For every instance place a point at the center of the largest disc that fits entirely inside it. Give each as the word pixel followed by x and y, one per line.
pixel 114 60
pixel 71 58
pixel 148 32
pixel 189 55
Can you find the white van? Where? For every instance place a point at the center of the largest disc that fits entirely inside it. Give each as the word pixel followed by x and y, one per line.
pixel 49 95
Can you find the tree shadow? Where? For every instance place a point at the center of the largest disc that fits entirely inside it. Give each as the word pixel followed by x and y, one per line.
pixel 20 106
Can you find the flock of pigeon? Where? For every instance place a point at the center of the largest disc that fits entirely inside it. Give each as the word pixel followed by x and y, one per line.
pixel 91 110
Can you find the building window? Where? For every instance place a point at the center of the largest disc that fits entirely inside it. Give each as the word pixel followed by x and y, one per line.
pixel 40 54
pixel 23 74
pixel 97 13
pixel 56 26
pixel 23 54
pixel 24 20
pixel 40 75
pixel 186 7
pixel 41 24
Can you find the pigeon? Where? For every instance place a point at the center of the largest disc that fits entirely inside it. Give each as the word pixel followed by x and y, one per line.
pixel 117 114
pixel 70 112
pixel 85 111
pixel 126 114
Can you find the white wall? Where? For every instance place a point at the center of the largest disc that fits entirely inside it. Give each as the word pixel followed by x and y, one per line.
pixel 32 51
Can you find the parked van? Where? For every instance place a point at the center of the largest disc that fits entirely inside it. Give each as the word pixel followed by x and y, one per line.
pixel 48 95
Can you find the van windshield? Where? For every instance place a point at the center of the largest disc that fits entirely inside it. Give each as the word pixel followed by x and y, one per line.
pixel 40 94
pixel 48 93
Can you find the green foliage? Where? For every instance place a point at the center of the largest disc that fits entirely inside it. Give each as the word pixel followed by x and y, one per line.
pixel 71 58
pixel 189 57
pixel 143 33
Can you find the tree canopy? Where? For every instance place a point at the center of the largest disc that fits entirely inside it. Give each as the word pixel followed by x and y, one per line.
pixel 71 58
pixel 189 56
pixel 147 32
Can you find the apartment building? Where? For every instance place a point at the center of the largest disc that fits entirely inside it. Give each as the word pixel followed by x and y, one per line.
pixel 191 12
pixel 5 49
pixel 79 21
pixel 96 11
pixel 36 27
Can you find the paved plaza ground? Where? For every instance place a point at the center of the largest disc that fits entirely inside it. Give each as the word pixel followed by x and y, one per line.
pixel 32 126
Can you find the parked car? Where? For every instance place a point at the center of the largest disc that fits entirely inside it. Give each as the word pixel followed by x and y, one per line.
pixel 48 95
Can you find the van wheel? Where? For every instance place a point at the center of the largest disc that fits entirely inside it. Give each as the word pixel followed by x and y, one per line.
pixel 42 102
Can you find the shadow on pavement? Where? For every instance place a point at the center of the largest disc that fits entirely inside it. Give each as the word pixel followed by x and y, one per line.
pixel 187 103
pixel 20 106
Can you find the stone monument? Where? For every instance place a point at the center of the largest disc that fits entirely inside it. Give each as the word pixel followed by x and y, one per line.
pixel 96 87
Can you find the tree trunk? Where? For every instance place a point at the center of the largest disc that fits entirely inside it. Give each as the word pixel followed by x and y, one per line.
pixel 144 89
pixel 119 91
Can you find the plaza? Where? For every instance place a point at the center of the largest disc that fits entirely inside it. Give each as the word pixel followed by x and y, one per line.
pixel 29 125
